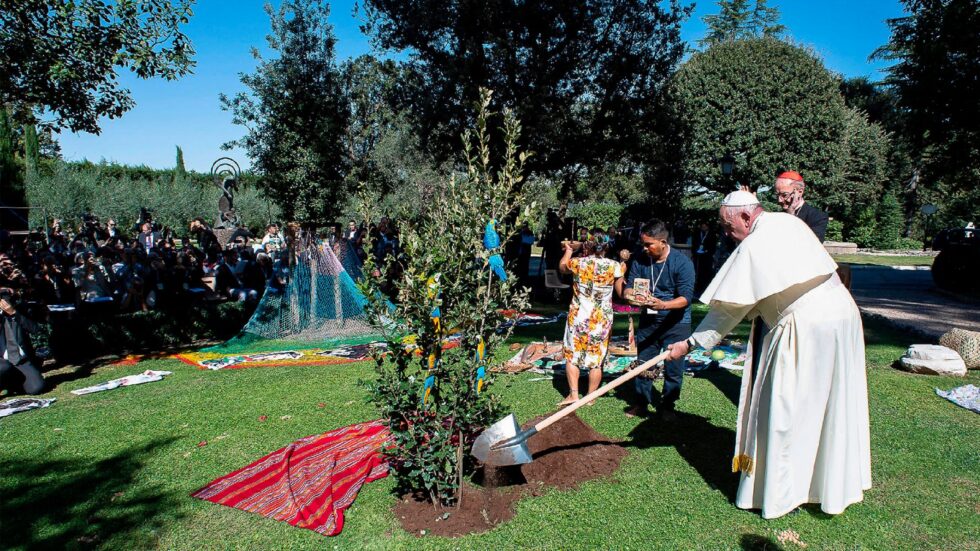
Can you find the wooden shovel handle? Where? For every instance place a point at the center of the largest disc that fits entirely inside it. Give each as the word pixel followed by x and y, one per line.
pixel 600 391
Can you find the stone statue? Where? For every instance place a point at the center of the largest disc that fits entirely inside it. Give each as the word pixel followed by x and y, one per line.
pixel 225 173
pixel 227 217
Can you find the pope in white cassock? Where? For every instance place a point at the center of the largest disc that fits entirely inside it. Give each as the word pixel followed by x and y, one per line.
pixel 803 431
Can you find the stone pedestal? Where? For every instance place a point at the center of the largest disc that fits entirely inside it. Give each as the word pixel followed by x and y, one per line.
pixel 839 247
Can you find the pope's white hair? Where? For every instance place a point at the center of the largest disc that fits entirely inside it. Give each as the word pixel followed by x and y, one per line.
pixel 730 213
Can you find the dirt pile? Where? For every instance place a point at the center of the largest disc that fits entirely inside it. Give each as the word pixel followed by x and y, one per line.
pixel 565 455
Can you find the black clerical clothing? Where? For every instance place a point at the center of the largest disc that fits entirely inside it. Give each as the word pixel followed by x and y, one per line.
pixel 815 218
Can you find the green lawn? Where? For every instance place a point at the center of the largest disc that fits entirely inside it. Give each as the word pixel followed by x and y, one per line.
pixel 114 470
pixel 882 260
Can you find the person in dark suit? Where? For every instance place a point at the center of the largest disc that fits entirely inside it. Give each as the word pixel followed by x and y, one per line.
pixel 789 192
pixel 18 352
pixel 206 239
pixel 148 238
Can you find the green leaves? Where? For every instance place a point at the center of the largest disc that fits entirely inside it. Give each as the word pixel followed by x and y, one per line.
pixel 445 238
pixel 774 106
pixel 583 76
pixel 295 115
pixel 62 57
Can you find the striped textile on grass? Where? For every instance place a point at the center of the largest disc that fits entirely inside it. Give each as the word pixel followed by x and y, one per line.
pixel 310 482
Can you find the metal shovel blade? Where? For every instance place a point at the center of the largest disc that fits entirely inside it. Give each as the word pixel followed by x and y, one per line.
pixel 487 450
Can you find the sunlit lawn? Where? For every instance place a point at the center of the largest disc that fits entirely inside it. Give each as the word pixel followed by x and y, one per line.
pixel 883 260
pixel 114 470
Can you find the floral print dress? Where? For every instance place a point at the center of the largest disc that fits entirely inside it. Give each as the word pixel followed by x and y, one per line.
pixel 590 316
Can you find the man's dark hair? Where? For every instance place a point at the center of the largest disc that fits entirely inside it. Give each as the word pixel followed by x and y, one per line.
pixel 201 220
pixel 655 228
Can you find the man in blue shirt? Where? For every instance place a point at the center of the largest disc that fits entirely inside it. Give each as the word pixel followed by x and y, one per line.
pixel 666 314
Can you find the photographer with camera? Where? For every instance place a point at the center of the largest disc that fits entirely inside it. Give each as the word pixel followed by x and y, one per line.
pixel 90 278
pixel 17 364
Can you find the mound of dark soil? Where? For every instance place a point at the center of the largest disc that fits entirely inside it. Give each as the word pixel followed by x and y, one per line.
pixel 565 454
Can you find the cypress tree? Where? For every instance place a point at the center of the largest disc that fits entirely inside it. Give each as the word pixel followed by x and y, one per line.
pixel 11 183
pixel 890 222
pixel 179 172
pixel 31 151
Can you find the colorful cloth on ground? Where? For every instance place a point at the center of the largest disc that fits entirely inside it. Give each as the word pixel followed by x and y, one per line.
pixel 310 482
pixel 734 358
pixel 590 316
pixel 17 405
pixel 527 320
pixel 967 396
pixel 313 356
pixel 147 376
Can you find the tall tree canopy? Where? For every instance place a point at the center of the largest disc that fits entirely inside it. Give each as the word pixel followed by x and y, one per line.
pixel 774 106
pixel 582 75
pixel 737 20
pixel 295 114
pixel 937 78
pixel 63 57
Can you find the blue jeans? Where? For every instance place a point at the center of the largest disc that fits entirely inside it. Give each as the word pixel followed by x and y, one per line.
pixel 650 341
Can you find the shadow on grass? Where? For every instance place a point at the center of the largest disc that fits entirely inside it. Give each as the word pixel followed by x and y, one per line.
pixel 755 542
pixel 70 504
pixel 878 331
pixel 56 374
pixel 725 381
pixel 705 446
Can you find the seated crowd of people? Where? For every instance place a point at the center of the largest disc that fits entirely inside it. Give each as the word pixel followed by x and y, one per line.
pixel 100 267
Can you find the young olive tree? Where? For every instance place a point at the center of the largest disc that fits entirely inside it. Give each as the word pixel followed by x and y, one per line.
pixel 447 282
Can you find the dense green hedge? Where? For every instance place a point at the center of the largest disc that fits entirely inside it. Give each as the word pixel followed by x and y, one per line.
pixel 66 190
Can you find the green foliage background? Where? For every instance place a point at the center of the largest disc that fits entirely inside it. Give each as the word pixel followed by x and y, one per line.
pixel 66 190
pixel 775 107
pixel 445 265
pixel 295 114
pixel 596 215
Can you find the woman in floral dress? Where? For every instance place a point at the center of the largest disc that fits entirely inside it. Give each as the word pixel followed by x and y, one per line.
pixel 590 316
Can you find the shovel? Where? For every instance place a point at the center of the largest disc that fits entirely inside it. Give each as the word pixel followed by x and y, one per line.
pixel 504 443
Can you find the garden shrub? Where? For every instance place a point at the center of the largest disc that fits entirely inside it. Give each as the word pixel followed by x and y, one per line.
pixel 865 225
pixel 591 214
pixel 908 243
pixel 835 231
pixel 890 222
pixel 435 401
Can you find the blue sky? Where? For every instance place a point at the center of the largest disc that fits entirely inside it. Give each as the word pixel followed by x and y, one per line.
pixel 187 112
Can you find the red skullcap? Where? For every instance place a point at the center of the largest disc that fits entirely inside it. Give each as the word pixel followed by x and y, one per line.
pixel 791 175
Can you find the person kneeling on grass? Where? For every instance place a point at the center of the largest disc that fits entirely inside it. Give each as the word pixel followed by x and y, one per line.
pixel 18 353
pixel 590 315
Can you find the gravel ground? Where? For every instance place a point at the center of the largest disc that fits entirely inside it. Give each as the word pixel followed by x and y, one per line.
pixel 908 298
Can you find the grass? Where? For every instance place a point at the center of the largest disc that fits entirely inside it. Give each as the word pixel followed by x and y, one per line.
pixel 113 470
pixel 883 260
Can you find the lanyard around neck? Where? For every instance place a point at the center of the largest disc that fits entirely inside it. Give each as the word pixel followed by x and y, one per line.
pixel 653 288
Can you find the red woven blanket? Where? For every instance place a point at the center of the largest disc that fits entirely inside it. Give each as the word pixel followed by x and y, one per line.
pixel 310 482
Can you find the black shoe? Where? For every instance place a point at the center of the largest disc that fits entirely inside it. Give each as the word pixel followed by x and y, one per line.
pixel 667 415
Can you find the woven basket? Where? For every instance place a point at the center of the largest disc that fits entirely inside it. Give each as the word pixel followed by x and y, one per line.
pixel 966 343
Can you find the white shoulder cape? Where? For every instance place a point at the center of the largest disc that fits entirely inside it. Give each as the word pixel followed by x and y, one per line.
pixel 780 252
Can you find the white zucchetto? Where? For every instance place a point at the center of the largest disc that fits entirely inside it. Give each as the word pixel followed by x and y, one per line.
pixel 739 199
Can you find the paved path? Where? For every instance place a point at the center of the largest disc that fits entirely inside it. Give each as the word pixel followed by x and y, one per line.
pixel 908 298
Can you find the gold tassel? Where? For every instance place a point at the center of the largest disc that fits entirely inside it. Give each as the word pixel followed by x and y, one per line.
pixel 743 463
